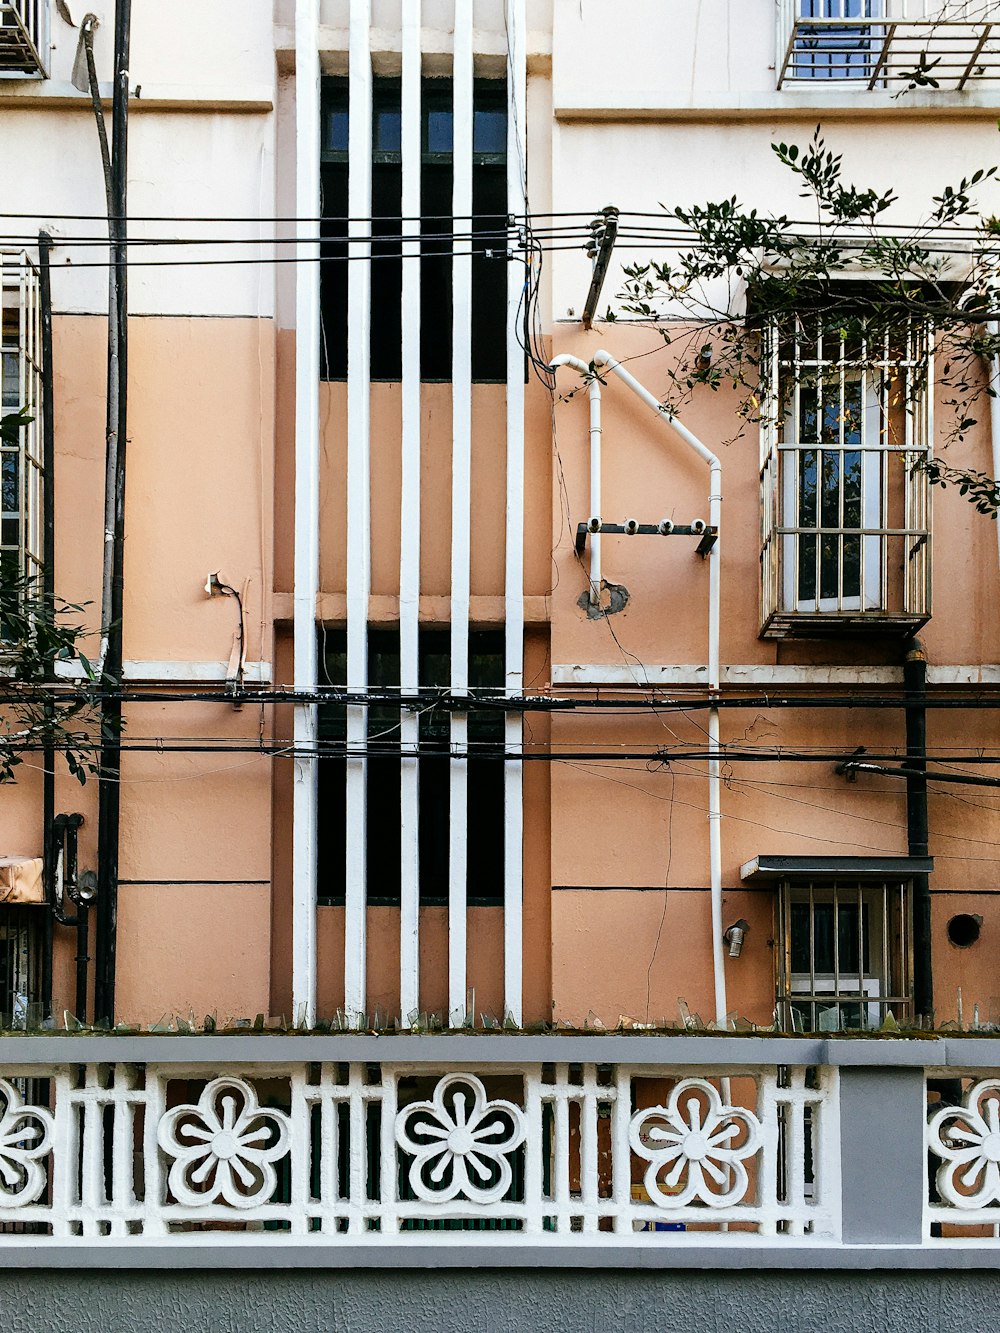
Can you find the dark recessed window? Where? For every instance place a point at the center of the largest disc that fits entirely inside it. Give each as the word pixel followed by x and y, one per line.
pixel 488 228
pixel 485 800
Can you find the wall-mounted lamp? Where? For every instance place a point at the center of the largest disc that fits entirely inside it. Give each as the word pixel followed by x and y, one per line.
pixel 734 937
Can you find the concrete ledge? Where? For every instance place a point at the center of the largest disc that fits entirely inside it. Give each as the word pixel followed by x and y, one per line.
pixel 481 1050
pixel 271 1252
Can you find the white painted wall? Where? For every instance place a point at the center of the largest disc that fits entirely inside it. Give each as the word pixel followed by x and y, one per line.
pixel 641 166
pixel 190 44
pixel 660 50
pixel 201 161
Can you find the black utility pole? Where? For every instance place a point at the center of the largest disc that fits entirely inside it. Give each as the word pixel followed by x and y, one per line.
pixel 48 591
pixel 111 708
pixel 915 691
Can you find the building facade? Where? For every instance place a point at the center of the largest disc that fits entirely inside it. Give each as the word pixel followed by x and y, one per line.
pixel 470 694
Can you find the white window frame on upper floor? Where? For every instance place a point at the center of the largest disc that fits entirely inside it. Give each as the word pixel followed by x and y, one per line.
pixel 24 39
pixel 875 45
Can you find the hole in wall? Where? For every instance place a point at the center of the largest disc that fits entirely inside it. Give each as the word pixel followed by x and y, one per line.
pixel 964 929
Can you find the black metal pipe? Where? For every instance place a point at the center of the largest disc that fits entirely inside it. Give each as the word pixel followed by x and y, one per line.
pixel 111 708
pixel 48 592
pixel 915 689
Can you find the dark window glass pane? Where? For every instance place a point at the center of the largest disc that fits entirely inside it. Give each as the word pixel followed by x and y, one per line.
pixel 829 566
pixel 853 413
pixel 489 274
pixel 852 489
pixel 9 499
pixel 333 276
pixel 387 130
pixel 489 130
pixel 435 272
pixel 386 333
pixel 807 488
pixel 335 130
pixel 830 495
pixel 807 568
pixel 440 130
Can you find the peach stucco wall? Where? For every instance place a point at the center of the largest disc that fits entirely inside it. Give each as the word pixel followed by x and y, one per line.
pixel 195 855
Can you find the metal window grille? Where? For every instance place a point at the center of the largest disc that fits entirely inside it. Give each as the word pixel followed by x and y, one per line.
pixel 844 955
pixel 21 467
pixel 21 944
pixel 927 44
pixel 845 538
pixel 24 38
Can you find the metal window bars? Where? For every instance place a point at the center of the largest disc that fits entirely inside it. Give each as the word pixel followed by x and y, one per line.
pixel 845 496
pixel 925 44
pixel 24 39
pixel 21 462
pixel 844 955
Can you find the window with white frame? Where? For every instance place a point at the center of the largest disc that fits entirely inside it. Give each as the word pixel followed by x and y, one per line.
pixel 834 39
pixel 844 959
pixel 21 464
pixel 24 38
pixel 845 438
pixel 926 45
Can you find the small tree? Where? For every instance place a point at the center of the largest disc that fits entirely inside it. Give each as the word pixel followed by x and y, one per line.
pixel 740 272
pixel 35 634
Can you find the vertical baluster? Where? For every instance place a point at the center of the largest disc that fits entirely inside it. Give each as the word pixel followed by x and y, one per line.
pixel 461 514
pixel 359 207
pixel 514 547
pixel 329 1148
pixel 589 1185
pixel 409 563
pixel 621 1153
pixel 533 1153
pixel 358 1167
pixel 388 1191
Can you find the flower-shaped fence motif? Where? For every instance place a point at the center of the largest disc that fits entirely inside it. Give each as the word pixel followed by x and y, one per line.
pixel 695 1147
pixel 224 1147
pixel 25 1141
pixel 967 1138
pixel 460 1142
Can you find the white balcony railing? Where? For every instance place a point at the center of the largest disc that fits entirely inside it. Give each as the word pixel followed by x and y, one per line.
pixel 24 38
pixel 318 1144
pixel 876 44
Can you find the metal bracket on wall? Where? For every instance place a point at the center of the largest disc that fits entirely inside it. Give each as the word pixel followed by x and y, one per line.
pixel 709 535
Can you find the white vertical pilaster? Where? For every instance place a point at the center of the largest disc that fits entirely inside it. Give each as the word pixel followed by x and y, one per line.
pixel 514 548
pixel 307 275
pixel 359 207
pixel 409 552
pixel 461 496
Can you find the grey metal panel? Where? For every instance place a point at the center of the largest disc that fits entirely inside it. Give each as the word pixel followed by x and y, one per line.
pixel 888 1052
pixel 480 1050
pixel 474 1050
pixel 277 1253
pixel 766 868
pixel 883 1116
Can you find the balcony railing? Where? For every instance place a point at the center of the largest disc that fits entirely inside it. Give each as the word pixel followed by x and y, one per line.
pixel 24 38
pixel 669 1144
pixel 927 45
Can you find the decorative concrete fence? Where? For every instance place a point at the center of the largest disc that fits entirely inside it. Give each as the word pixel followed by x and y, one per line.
pixel 603 1146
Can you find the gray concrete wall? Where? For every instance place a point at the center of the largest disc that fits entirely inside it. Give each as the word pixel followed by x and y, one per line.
pixel 559 1301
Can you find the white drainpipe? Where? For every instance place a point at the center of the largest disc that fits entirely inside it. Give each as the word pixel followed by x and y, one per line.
pixel 605 359
pixel 993 329
pixel 594 394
